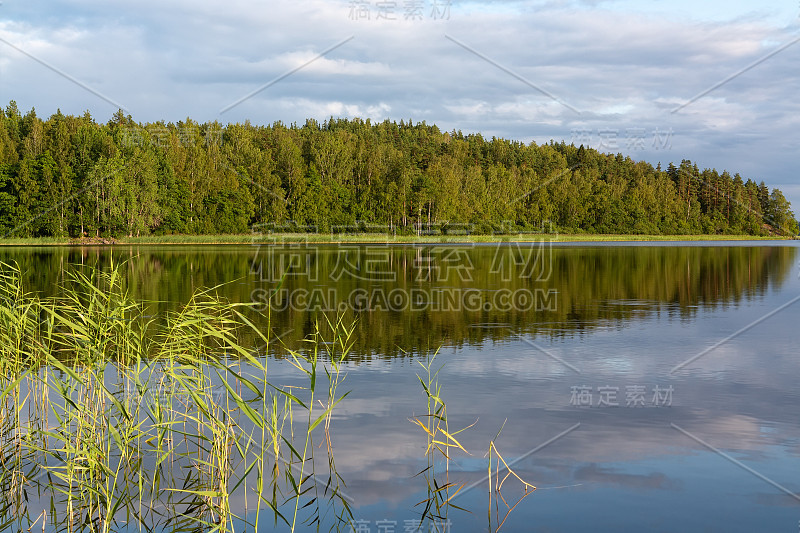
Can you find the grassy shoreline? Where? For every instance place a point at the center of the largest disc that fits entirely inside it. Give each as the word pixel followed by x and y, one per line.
pixel 366 238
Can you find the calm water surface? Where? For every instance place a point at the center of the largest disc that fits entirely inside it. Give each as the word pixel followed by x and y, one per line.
pixel 643 387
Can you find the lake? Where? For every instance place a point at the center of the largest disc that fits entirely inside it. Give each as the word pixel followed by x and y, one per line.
pixel 639 387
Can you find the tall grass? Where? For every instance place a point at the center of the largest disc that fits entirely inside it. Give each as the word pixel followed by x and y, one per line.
pixel 441 490
pixel 440 439
pixel 497 521
pixel 113 420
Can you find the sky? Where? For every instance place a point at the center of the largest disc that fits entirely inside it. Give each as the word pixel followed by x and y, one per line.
pixel 714 82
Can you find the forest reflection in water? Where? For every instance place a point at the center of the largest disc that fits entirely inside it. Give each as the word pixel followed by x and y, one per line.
pixel 409 299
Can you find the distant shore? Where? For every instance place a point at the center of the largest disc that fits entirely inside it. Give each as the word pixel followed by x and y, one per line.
pixel 370 238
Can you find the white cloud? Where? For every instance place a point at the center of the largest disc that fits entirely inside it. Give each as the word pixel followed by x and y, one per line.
pixel 325 66
pixel 323 109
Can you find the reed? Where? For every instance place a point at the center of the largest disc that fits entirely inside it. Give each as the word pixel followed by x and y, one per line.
pixel 440 439
pixel 496 486
pixel 112 420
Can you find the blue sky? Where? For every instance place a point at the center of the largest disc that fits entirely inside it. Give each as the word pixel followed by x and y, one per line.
pixel 612 75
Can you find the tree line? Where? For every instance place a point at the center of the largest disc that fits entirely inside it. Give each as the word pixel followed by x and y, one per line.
pixel 71 176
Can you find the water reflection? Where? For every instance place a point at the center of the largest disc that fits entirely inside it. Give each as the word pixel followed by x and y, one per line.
pixel 624 318
pixel 411 299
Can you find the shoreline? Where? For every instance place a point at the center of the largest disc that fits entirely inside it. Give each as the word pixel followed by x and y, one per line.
pixel 363 238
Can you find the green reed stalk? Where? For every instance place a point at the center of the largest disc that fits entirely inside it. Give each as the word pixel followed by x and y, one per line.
pixel 439 440
pixel 108 408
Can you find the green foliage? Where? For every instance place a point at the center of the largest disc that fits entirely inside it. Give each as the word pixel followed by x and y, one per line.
pixel 70 176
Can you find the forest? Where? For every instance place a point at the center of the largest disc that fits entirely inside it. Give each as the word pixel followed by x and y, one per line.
pixel 71 176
